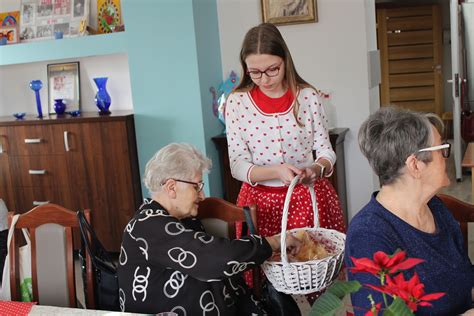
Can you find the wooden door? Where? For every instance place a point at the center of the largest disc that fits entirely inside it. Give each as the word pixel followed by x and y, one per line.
pixel 410 43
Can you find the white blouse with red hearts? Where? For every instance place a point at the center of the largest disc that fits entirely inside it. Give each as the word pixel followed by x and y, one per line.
pixel 256 138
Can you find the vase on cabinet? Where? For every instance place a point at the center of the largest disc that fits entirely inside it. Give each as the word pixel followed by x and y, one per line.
pixel 59 106
pixel 102 97
pixel 36 86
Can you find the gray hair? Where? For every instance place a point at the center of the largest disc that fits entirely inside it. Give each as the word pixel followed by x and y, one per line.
pixel 390 135
pixel 174 161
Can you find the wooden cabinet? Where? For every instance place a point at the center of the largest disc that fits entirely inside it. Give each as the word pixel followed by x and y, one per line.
pixel 338 179
pixel 83 162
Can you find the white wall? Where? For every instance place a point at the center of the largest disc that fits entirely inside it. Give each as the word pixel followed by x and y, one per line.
pixel 332 55
pixel 16 96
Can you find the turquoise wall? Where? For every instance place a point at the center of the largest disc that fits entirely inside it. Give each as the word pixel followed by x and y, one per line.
pixel 174 57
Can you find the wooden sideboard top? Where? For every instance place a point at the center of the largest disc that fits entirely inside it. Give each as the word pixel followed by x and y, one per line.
pixel 31 119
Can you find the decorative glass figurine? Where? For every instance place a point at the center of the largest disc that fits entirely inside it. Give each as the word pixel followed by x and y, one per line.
pixel 36 86
pixel 102 97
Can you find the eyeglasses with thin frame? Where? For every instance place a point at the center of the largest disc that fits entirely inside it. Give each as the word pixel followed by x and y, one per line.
pixel 270 72
pixel 197 185
pixel 445 149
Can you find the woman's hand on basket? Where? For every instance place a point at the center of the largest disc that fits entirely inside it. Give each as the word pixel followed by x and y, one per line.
pixel 286 172
pixel 309 175
pixel 292 243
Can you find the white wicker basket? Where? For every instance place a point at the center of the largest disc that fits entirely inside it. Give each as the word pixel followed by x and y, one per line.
pixel 310 276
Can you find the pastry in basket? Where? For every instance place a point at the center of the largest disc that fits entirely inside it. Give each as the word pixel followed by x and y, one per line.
pixel 310 249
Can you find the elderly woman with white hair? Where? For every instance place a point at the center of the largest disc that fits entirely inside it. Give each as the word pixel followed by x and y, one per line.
pixel 168 263
pixel 407 153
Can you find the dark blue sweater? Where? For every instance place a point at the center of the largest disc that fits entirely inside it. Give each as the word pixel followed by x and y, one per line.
pixel 447 267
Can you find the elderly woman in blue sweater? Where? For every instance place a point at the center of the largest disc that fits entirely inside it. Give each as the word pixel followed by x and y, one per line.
pixel 406 152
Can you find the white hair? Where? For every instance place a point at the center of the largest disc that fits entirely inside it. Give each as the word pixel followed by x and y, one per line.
pixel 174 161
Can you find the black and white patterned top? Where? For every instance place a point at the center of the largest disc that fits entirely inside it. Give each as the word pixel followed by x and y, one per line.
pixel 167 264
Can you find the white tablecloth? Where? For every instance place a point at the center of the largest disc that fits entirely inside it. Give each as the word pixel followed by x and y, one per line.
pixel 53 310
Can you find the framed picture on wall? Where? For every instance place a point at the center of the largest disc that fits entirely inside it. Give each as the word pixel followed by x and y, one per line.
pixel 289 11
pixel 64 83
pixel 42 19
pixel 9 32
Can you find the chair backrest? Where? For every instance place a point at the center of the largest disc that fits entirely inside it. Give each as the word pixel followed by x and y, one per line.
pixel 217 208
pixel 463 212
pixel 47 214
pixel 213 207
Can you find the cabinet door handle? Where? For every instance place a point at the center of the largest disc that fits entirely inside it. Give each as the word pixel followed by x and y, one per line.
pixel 31 171
pixel 37 203
pixel 32 140
pixel 3 148
pixel 66 141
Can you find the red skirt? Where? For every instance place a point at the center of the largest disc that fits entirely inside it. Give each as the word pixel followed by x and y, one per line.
pixel 270 200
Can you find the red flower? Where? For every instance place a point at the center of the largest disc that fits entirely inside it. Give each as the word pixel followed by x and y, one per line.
pixel 411 291
pixel 383 264
pixel 374 311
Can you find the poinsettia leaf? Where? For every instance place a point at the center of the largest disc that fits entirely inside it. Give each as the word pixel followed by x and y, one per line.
pixel 432 296
pixel 397 308
pixel 326 305
pixel 405 265
pixel 342 288
pixel 397 257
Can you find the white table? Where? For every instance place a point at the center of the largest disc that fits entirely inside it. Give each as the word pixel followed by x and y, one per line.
pixel 44 310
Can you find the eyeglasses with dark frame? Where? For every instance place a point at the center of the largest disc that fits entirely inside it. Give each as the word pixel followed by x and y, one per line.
pixel 270 72
pixel 445 149
pixel 197 185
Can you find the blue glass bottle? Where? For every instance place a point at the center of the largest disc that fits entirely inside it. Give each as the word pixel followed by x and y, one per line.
pixel 102 97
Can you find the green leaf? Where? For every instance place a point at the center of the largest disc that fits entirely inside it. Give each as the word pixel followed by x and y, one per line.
pixel 342 288
pixel 398 308
pixel 326 305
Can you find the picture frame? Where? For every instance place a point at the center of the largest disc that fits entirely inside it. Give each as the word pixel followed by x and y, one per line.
pixel 43 19
pixel 280 12
pixel 64 83
pixel 10 32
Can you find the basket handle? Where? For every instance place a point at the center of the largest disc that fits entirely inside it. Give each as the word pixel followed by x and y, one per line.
pixel 284 219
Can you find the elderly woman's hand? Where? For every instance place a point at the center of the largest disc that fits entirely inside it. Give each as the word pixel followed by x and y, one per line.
pixel 293 244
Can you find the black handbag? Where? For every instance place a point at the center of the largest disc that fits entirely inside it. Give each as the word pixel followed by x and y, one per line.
pixel 106 288
pixel 275 303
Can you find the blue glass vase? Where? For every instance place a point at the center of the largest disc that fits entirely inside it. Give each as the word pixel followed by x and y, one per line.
pixel 36 86
pixel 102 97
pixel 59 106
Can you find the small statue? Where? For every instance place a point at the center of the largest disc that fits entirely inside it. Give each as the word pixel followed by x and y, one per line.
pixel 220 95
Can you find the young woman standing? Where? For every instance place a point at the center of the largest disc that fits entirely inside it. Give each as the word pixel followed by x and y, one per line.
pixel 274 122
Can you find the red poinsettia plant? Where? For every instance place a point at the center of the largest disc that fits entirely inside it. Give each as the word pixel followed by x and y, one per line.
pixel 407 295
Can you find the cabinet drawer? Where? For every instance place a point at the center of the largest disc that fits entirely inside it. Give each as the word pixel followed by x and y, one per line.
pixel 35 140
pixel 49 170
pixel 30 197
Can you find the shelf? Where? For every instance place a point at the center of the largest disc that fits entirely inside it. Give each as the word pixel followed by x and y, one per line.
pixel 73 47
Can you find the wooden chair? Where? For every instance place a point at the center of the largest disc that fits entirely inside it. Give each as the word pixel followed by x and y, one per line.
pixel 217 208
pixel 463 212
pixel 31 220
